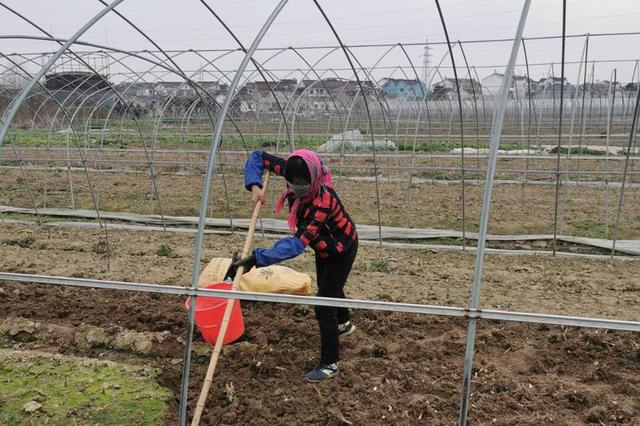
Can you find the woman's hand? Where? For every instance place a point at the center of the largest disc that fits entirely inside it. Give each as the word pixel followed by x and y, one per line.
pixel 246 262
pixel 257 194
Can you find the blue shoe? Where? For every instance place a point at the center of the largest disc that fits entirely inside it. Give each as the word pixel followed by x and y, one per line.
pixel 346 329
pixel 322 372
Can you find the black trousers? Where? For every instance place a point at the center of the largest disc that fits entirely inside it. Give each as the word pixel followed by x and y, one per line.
pixel 332 275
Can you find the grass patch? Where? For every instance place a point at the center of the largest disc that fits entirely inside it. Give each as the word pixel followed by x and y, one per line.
pixel 20 242
pixel 588 228
pixel 381 265
pixel 447 146
pixel 164 250
pixel 167 138
pixel 72 390
pixel 576 151
pixel 33 218
pixel 200 139
pixel 101 247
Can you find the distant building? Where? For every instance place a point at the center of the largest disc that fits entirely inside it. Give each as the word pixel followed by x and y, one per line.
pixel 552 86
pixel 141 95
pixel 259 95
pixel 171 96
pixel 308 95
pixel 447 89
pixel 469 85
pixel 602 89
pixel 346 90
pixel 286 85
pixel 312 88
pixel 313 97
pixel 630 89
pixel 79 86
pixel 402 88
pixel 318 94
pixel 521 86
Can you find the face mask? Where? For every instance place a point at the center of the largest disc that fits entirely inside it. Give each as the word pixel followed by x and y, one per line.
pixel 300 190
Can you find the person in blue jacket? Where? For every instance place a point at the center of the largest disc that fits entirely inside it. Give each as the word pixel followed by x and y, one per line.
pixel 318 219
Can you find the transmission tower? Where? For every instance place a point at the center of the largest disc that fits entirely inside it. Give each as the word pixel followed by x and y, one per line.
pixel 425 63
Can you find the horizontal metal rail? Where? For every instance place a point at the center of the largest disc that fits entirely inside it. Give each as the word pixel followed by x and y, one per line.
pixel 486 314
pixel 351 46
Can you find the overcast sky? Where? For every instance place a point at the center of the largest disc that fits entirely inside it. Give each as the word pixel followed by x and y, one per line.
pixel 186 24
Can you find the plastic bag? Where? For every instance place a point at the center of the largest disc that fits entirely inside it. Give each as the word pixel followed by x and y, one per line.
pixel 276 279
pixel 271 279
pixel 214 271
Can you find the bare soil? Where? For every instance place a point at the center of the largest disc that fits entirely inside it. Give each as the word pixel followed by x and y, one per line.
pixel 398 369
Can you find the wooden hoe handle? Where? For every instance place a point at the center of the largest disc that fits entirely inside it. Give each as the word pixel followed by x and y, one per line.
pixel 227 313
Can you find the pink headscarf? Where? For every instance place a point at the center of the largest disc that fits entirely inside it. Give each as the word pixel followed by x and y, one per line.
pixel 320 176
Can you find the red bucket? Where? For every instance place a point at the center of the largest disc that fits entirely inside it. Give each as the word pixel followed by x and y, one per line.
pixel 209 312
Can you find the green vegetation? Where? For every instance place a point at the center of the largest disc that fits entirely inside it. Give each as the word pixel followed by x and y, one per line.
pixel 576 151
pixel 70 390
pixel 269 142
pixel 588 228
pixel 381 265
pixel 20 242
pixel 101 247
pixel 168 138
pixel 34 218
pixel 164 250
pixel 446 146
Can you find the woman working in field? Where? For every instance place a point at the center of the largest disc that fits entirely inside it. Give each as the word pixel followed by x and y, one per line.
pixel 318 219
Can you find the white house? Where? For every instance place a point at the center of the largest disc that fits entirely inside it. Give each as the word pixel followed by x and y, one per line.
pixel 520 85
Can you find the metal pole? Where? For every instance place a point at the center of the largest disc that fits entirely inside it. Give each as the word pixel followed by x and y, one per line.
pixel 424 102
pixel 628 104
pixel 455 74
pixel 366 105
pixel 529 110
pixel 624 176
pixel 484 218
pixel 215 143
pixel 582 106
pixel 475 104
pixel 563 206
pixel 555 215
pixel 227 314
pixel 612 92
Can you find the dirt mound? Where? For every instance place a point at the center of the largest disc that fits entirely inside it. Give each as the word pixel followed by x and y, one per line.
pixel 85 336
pixel 101 308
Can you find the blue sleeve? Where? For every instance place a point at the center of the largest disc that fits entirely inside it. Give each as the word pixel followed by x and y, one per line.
pixel 283 249
pixel 253 168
